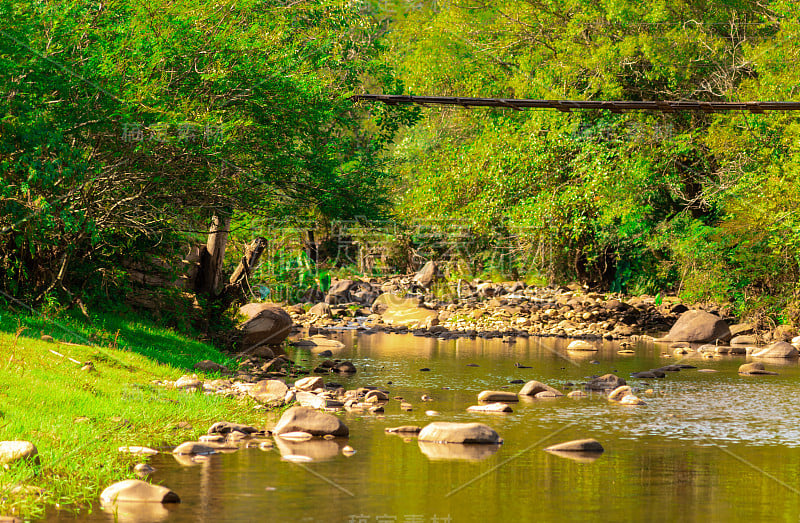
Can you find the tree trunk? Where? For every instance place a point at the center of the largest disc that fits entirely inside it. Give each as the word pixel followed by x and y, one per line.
pixel 211 263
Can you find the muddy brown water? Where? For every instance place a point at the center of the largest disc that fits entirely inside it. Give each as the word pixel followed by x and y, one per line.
pixel 706 447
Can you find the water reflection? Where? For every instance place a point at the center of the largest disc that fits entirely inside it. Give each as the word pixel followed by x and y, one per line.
pixel 457 451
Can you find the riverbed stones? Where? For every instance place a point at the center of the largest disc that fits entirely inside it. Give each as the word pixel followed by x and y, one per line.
pixel 699 326
pixel 755 369
pixel 533 387
pixel 577 394
pixel 306 419
pixel 497 396
pixel 17 451
pixel 779 349
pixel 143 469
pixel 138 491
pixel 578 445
pixel 491 408
pixel 269 391
pixel 193 448
pixel 266 323
pixel 450 432
pixel 297 435
pixel 307 399
pixel 605 382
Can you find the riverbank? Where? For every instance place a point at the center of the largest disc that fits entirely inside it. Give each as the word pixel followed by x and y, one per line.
pixel 78 392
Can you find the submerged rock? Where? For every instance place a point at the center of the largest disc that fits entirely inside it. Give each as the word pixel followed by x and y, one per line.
pixel 605 382
pixel 405 429
pixel 492 407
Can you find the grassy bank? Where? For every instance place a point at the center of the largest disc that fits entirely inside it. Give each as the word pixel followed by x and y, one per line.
pixel 78 418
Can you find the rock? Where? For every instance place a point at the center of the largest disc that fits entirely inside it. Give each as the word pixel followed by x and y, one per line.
pixel 139 451
pixel 581 345
pixel 648 374
pixel 546 394
pixel 143 469
pixel 783 333
pixel 188 383
pixel 605 382
pixel 577 394
pixel 321 310
pixel 138 491
pixel 344 367
pixel 309 384
pixel 262 351
pixel 492 407
pixel 748 339
pixel 379 395
pixel 307 399
pixel 448 432
pixel 578 445
pixel 699 327
pixel 619 393
pixel 779 349
pixel 426 275
pixel 225 428
pixel 269 391
pixel 309 420
pixel 533 387
pixel 432 413
pixel 210 366
pixel 318 340
pixel 630 399
pixel 755 369
pixel 14 451
pixel 497 396
pixel 347 450
pixel 405 429
pixel 266 323
pixel 192 448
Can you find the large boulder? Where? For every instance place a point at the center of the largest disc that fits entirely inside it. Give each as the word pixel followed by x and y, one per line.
pixel 265 323
pixel 306 419
pixel 138 491
pixel 339 291
pixel 448 432
pixel 699 327
pixel 605 382
pixel 779 349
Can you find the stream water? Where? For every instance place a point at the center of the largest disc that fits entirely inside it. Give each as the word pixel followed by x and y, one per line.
pixel 706 447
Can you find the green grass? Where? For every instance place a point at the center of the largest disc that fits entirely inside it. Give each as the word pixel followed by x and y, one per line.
pixel 78 419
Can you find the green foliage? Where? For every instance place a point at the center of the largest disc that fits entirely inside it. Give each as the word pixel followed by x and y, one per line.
pixel 643 203
pixel 125 126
